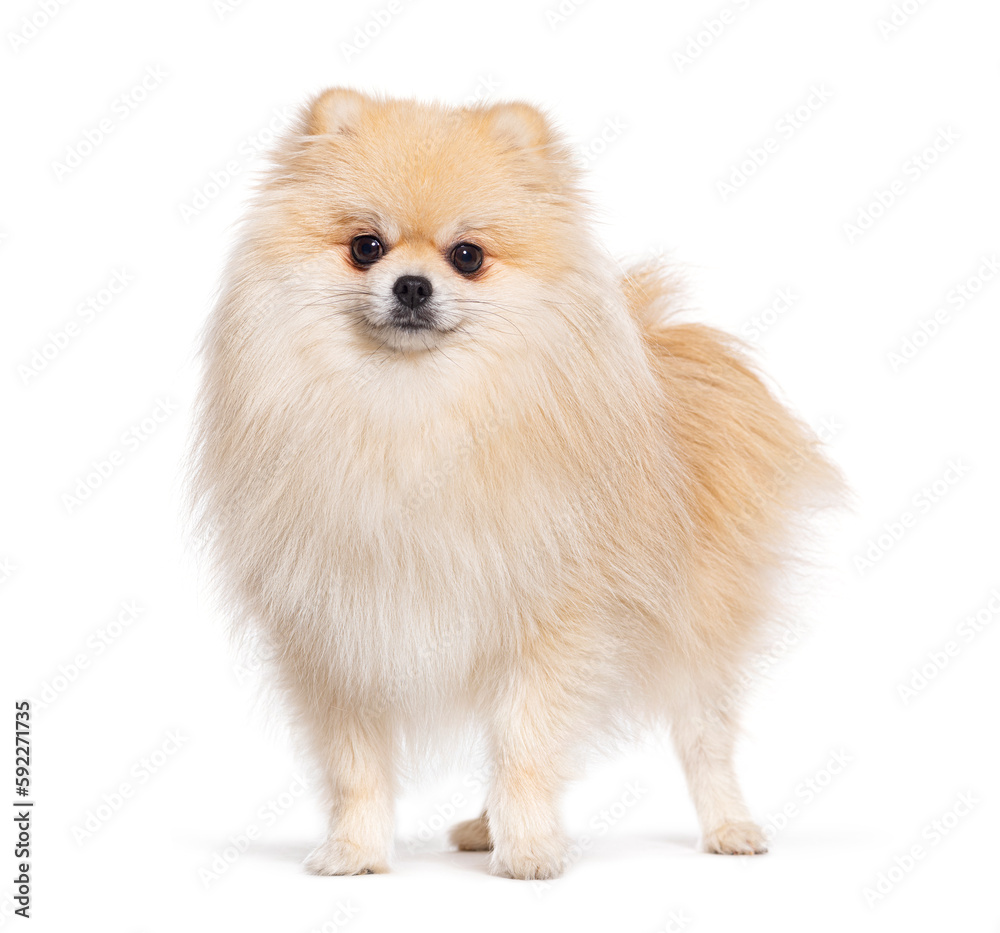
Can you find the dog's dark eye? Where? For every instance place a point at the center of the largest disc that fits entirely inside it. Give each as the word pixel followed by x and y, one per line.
pixel 366 249
pixel 467 258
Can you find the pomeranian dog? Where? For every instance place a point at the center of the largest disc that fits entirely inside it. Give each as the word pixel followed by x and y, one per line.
pixel 461 474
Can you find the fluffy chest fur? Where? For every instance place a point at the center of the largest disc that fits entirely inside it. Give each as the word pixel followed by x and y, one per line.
pixel 400 530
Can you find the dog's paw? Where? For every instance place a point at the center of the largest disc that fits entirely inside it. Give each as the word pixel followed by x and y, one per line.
pixel 340 857
pixel 472 835
pixel 535 859
pixel 735 839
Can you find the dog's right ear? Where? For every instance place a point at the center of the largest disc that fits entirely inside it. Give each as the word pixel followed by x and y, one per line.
pixel 335 111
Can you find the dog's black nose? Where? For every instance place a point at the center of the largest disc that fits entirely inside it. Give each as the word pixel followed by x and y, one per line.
pixel 412 290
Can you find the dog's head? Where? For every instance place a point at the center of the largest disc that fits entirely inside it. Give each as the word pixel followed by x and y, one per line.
pixel 414 226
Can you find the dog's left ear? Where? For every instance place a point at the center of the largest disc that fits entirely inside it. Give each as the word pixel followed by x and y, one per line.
pixel 521 125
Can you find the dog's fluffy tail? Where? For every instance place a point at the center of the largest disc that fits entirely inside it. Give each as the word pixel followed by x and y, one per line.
pixel 653 293
pixel 734 424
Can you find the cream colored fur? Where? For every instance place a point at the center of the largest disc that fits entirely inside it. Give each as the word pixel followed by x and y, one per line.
pixel 558 518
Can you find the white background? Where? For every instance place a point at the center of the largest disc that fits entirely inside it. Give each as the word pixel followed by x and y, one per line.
pixel 674 130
